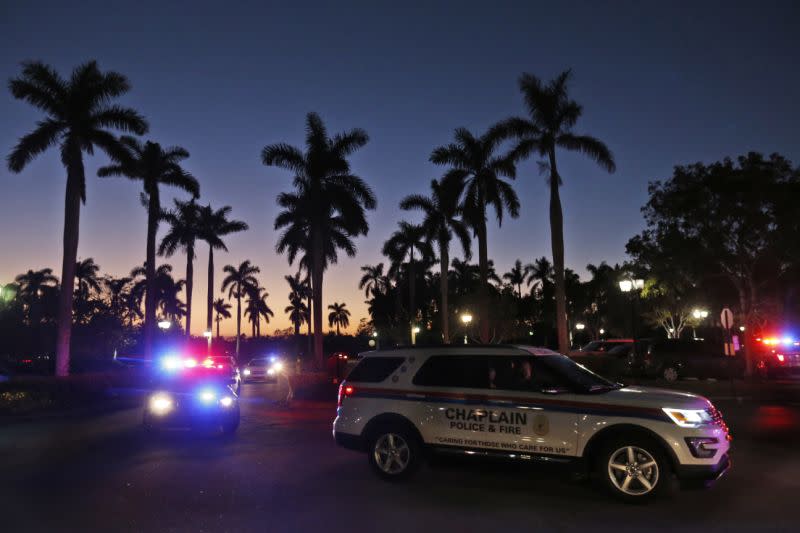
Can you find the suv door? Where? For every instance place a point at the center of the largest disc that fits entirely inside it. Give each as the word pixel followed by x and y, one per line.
pixel 483 402
pixel 540 408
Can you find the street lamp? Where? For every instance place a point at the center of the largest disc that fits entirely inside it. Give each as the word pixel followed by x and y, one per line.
pixel 698 314
pixel 374 342
pixel 414 332
pixel 602 331
pixel 208 334
pixel 580 326
pixel 466 318
pixel 628 286
pixel 164 324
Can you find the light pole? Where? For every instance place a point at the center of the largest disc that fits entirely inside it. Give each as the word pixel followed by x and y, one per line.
pixel 466 318
pixel 699 315
pixel 164 325
pixel 414 332
pixel 628 286
pixel 375 340
pixel 208 334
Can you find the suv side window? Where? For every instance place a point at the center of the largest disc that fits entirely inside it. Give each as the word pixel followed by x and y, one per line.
pixel 467 371
pixel 524 374
pixel 374 369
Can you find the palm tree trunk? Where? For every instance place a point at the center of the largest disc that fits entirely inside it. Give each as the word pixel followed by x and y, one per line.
pixel 238 320
pixel 445 266
pixel 483 263
pixel 337 329
pixel 316 283
pixel 189 286
pixel 153 211
pixel 210 295
pixel 310 347
pixel 412 311
pixel 218 321
pixel 557 243
pixel 72 214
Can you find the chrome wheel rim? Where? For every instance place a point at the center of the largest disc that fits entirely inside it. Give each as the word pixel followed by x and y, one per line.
pixel 670 374
pixel 392 453
pixel 633 471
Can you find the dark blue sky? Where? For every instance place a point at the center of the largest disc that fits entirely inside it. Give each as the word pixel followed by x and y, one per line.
pixel 662 85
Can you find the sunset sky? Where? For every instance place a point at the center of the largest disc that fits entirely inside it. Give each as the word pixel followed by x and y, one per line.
pixel 661 88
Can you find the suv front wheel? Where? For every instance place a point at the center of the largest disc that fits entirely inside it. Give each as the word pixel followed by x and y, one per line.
pixel 394 453
pixel 633 469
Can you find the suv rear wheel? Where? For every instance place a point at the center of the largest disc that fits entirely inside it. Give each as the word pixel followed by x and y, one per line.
pixel 633 469
pixel 670 373
pixel 394 453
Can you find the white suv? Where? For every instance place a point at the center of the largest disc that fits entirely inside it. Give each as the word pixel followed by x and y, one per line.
pixel 522 402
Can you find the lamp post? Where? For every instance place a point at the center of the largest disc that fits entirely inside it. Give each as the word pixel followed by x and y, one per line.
pixel 466 318
pixel 374 341
pixel 414 332
pixel 698 315
pixel 208 334
pixel 628 286
pixel 164 325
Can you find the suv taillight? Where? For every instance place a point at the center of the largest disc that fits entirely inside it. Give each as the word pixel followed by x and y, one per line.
pixel 345 391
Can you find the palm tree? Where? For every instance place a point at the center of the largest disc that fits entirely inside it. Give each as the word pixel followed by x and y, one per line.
pixel 118 288
pixel 441 211
pixel 476 168
pixel 373 279
pixel 87 281
pixel 78 112
pixel 339 316
pixel 222 308
pixel 238 281
pixel 86 278
pixel 401 245
pixel 551 117
pixel 299 312
pixel 539 274
pixel 153 165
pixel 184 230
pixel 516 277
pixel 31 288
pixel 257 308
pixel 326 210
pixel 168 302
pixel 214 225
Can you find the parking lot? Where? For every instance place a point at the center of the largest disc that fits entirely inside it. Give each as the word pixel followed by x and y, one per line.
pixel 282 472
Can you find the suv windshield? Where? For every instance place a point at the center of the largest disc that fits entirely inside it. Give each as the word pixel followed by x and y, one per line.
pixel 578 377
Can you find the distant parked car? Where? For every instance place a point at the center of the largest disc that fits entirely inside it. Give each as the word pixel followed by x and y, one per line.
pixel 672 359
pixel 777 356
pixel 609 358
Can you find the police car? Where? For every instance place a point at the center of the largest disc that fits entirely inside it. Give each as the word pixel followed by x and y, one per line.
pixel 522 402
pixel 192 394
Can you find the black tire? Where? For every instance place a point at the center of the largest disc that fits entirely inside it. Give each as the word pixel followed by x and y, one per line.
pixel 230 425
pixel 147 425
pixel 670 373
pixel 406 446
pixel 645 451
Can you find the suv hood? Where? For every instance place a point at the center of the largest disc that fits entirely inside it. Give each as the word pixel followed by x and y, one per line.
pixel 654 397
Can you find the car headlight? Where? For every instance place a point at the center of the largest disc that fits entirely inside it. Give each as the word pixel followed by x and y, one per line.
pixel 160 404
pixel 246 371
pixel 688 418
pixel 226 401
pixel 208 396
pixel 277 366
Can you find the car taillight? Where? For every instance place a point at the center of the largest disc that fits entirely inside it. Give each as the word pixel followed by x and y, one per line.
pixel 345 391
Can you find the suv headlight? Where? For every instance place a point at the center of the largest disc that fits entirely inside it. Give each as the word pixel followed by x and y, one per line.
pixel 688 418
pixel 161 403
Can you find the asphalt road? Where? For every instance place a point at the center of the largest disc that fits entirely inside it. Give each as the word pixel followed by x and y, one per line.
pixel 282 472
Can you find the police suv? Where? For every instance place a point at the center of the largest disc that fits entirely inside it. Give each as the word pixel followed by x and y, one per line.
pixel 522 402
